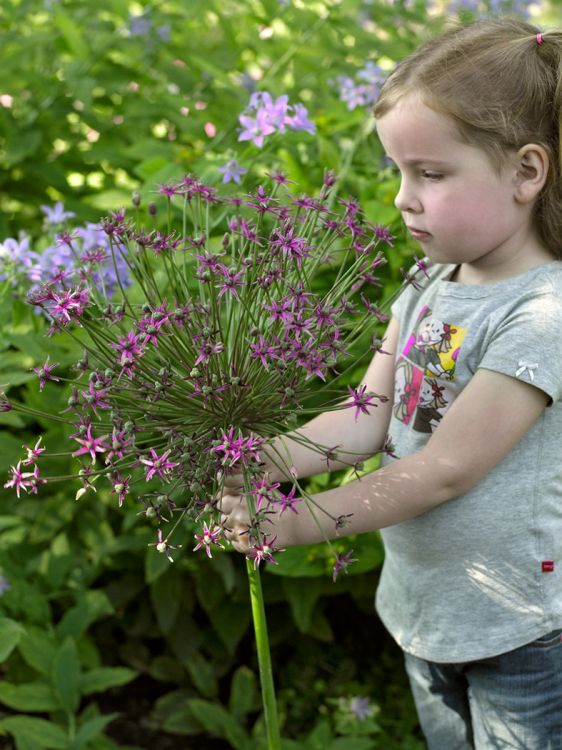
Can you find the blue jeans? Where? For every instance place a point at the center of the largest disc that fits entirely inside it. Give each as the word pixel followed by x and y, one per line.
pixel 508 702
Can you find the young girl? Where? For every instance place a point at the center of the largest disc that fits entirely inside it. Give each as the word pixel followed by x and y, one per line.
pixel 471 510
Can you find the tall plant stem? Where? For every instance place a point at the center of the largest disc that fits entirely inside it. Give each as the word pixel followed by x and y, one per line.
pixel 264 658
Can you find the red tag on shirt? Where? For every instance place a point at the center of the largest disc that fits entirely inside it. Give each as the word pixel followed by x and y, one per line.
pixel 547 566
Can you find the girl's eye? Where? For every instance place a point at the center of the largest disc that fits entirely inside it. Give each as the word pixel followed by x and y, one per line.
pixel 434 176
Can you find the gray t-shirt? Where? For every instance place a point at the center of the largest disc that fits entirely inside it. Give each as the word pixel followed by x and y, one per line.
pixel 481 574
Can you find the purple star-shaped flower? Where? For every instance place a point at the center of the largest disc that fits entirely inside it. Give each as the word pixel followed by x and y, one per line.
pixel 158 465
pixel 256 129
pixel 90 444
pixel 232 171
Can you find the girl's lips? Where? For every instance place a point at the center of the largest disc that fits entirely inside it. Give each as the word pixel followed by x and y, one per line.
pixel 417 234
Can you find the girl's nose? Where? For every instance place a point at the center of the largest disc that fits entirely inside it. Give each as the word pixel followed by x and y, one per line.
pixel 405 199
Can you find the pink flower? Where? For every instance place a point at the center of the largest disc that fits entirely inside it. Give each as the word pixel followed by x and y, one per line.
pixel 158 465
pixel 256 129
pixel 208 538
pixel 90 444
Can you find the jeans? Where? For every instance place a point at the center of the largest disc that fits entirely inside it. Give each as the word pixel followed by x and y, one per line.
pixel 508 702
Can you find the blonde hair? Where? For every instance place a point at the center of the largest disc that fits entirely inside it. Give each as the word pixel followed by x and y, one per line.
pixel 503 90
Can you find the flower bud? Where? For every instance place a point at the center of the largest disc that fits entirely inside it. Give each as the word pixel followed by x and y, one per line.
pixel 150 512
pixel 136 199
pixel 161 547
pixel 152 208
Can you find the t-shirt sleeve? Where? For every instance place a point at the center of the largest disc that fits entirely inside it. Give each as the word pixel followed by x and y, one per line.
pixel 527 344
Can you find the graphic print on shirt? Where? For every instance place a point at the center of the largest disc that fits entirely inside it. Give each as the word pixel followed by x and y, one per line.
pixel 425 371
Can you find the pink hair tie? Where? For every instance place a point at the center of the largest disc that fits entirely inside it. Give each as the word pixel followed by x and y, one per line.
pixel 539 39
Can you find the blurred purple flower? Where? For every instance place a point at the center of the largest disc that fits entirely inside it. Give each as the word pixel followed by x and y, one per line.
pixel 56 214
pixel 256 128
pixel 360 708
pixel 363 90
pixel 271 116
pixel 232 171
pixel 5 585
pixel 139 26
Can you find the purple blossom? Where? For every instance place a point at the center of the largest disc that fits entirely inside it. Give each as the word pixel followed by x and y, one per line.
pixel 360 708
pixel 232 171
pixel 362 90
pixel 239 449
pixel 256 128
pixel 299 119
pixel 33 453
pixel 90 444
pixel 5 585
pixel 44 373
pixel 342 563
pixel 158 465
pixel 19 479
pixel 208 538
pixel 128 348
pixel 263 552
pixel 288 502
pixel 360 400
pixel 56 214
pixel 264 490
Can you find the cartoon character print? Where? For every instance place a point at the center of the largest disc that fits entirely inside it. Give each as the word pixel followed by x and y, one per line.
pixel 425 371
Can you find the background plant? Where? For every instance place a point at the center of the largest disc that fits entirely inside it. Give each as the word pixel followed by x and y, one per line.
pixel 97 102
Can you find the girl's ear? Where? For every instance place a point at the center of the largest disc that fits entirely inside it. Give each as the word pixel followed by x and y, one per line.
pixel 531 164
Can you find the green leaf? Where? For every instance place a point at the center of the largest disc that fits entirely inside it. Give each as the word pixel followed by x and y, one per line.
pixel 33 696
pixel 166 598
pixel 66 676
pixel 100 679
pixel 32 731
pixel 243 692
pixel 90 729
pixel 38 650
pixel 10 634
pixel 202 674
pixel 302 596
pixel 93 605
pixel 171 713
pixel 219 723
pixel 231 620
pixel 72 34
pixel 155 566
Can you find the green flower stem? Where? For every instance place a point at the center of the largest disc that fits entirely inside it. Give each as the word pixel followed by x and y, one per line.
pixel 264 658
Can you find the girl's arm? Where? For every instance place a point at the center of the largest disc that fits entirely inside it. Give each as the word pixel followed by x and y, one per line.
pixel 485 422
pixel 353 439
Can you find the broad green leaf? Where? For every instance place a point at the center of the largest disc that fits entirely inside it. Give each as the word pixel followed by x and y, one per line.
pixel 243 692
pixel 40 732
pixel 166 598
pixel 100 679
pixel 171 713
pixel 10 634
pixel 155 565
pixel 219 723
pixel 231 620
pixel 302 596
pixel 72 34
pixel 32 696
pixel 66 675
pixel 93 605
pixel 90 729
pixel 38 649
pixel 203 675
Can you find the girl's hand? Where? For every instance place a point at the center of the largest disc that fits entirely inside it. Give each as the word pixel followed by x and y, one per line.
pixel 236 522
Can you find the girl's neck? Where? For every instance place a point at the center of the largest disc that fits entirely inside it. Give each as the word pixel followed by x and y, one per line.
pixel 513 265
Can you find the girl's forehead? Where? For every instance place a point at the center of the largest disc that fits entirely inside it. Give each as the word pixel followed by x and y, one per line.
pixel 414 132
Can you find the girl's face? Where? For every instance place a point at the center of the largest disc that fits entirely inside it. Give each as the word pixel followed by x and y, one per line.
pixel 451 198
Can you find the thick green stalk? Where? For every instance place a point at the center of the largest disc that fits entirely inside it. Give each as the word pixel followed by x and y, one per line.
pixel 264 659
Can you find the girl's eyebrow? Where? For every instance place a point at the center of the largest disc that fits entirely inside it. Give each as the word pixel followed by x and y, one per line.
pixel 417 162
